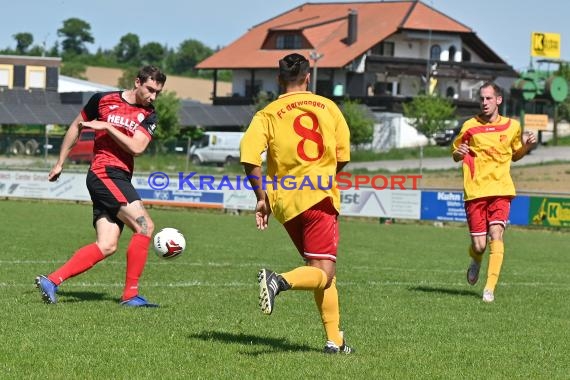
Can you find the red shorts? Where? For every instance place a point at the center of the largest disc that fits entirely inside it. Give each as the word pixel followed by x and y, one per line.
pixel 315 231
pixel 484 212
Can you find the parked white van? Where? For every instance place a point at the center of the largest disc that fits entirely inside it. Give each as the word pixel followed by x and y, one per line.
pixel 216 147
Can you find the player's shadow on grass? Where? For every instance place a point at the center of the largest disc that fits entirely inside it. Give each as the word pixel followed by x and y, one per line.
pixel 70 296
pixel 446 291
pixel 270 345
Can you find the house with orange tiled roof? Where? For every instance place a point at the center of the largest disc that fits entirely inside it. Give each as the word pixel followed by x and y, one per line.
pixel 381 52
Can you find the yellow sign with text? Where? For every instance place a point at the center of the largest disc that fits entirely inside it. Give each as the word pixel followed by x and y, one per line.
pixel 545 45
pixel 536 121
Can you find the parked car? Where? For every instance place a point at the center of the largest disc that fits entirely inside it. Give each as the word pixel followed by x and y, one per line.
pixel 217 147
pixel 445 136
pixel 82 151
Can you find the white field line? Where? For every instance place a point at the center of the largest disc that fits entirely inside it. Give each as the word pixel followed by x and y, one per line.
pixel 151 262
pixel 341 284
pixel 565 285
pixel 257 265
pixel 376 271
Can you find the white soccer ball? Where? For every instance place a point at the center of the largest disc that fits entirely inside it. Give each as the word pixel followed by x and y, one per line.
pixel 169 243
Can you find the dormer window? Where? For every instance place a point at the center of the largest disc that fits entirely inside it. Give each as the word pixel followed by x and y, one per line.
pixel 384 48
pixel 35 77
pixel 6 75
pixel 285 40
pixel 289 41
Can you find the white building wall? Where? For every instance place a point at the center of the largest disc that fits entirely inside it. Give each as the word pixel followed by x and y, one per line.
pixel 393 130
pixel 406 48
pixel 268 79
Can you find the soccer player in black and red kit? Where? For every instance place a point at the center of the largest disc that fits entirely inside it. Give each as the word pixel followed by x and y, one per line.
pixel 124 123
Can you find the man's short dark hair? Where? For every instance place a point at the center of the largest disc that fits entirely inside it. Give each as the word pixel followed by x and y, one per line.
pixel 151 72
pixel 293 67
pixel 498 90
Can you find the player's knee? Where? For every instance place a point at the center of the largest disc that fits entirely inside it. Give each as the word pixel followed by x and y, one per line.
pixel 330 277
pixel 479 247
pixel 496 235
pixel 107 248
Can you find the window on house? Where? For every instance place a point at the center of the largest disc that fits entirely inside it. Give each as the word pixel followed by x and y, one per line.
pixel 35 77
pixel 452 51
pixel 384 48
pixel 289 41
pixel 435 53
pixel 465 56
pixel 252 90
pixel 6 76
pixel 383 88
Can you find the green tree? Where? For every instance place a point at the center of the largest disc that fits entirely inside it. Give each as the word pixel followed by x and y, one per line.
pixel 128 48
pixel 262 99
pixel 53 51
pixel 360 122
pixel 167 107
pixel 429 114
pixel 36 51
pixel 23 42
pixel 189 53
pixel 74 69
pixel 127 80
pixel 152 54
pixel 101 58
pixel 76 33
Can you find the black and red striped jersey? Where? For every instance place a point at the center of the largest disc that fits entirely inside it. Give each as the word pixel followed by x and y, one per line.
pixel 126 117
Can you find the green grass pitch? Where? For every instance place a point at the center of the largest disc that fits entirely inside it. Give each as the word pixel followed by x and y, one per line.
pixel 405 304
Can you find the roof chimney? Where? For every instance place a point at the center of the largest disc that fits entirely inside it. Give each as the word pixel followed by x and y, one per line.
pixel 352 27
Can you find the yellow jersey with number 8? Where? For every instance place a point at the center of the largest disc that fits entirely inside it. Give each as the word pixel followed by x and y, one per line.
pixel 305 135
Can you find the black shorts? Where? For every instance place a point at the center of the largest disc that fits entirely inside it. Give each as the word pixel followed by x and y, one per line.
pixel 110 188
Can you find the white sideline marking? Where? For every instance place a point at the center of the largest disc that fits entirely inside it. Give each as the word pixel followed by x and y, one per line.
pixel 253 284
pixel 187 284
pixel 463 284
pixel 150 262
pixel 155 261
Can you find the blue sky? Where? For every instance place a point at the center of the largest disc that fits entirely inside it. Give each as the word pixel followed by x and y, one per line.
pixel 504 25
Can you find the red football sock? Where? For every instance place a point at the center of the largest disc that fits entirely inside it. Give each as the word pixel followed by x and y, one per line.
pixel 82 260
pixel 137 253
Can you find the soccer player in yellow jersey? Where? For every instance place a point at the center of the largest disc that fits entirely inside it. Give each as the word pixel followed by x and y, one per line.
pixel 487 143
pixel 307 142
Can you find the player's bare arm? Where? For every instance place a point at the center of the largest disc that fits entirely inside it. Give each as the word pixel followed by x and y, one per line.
pixel 460 152
pixel 529 139
pixel 262 209
pixel 135 145
pixel 69 141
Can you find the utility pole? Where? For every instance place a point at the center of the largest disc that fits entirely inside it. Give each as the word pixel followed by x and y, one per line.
pixel 315 57
pixel 428 62
pixel 428 58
